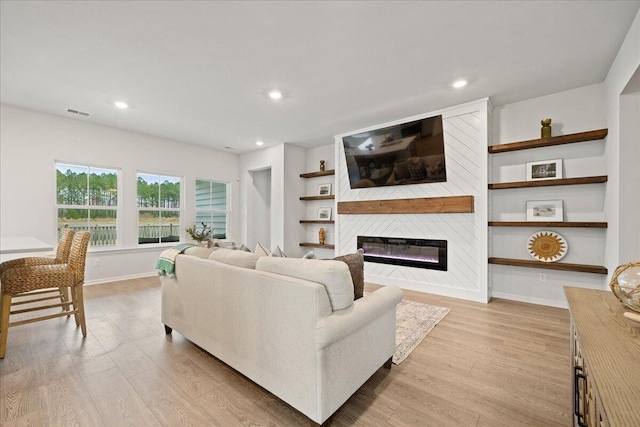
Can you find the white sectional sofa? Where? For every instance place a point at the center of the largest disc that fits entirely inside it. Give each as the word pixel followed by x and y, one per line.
pixel 299 335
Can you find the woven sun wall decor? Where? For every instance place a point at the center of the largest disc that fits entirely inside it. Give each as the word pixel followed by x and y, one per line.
pixel 547 246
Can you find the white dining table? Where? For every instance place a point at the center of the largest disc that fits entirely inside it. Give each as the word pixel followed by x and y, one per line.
pixel 19 245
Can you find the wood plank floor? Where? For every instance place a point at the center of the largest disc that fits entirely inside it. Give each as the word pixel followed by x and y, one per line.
pixel 498 364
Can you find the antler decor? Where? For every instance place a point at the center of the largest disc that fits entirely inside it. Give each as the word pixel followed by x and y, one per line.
pixel 200 235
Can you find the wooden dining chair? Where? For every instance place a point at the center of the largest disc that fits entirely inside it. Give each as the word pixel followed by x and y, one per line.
pixel 24 280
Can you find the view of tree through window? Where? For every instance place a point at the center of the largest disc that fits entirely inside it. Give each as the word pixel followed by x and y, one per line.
pixel 87 200
pixel 158 208
pixel 211 207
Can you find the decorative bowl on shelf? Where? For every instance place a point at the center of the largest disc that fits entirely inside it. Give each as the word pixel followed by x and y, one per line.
pixel 625 284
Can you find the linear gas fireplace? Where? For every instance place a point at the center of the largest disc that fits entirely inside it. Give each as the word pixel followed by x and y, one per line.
pixel 421 253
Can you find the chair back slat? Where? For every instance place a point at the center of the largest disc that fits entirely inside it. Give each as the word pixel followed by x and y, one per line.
pixel 64 245
pixel 78 255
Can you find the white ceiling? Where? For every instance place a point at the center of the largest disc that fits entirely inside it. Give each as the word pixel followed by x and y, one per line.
pixel 197 72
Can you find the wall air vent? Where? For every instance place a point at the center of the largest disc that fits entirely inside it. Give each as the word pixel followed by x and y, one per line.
pixel 81 113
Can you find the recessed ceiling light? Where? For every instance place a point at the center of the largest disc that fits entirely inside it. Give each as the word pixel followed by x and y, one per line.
pixel 259 143
pixel 121 105
pixel 275 94
pixel 459 83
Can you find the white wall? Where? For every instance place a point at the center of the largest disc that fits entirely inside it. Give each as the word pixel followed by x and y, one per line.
pixel 622 70
pixel 465 135
pixel 286 162
pixel 572 111
pixel 260 214
pixel 31 142
pixel 630 175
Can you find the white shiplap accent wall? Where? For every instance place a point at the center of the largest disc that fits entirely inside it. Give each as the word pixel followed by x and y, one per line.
pixel 465 135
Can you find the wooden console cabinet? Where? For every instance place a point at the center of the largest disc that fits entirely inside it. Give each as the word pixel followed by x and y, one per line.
pixel 605 360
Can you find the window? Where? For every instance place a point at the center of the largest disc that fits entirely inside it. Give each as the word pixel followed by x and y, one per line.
pixel 211 207
pixel 158 208
pixel 87 200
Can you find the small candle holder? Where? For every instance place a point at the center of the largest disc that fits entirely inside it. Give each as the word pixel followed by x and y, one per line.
pixel 321 165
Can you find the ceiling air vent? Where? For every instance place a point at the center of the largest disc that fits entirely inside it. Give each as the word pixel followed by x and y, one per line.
pixel 81 113
pixel 229 148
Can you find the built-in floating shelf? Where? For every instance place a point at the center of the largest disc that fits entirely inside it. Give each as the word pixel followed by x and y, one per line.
pixel 317 174
pixel 581 268
pixel 318 245
pixel 452 204
pixel 328 197
pixel 548 224
pixel 550 182
pixel 549 142
pixel 315 221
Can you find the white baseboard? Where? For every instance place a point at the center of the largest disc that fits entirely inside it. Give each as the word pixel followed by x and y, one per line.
pixel 531 300
pixel 119 278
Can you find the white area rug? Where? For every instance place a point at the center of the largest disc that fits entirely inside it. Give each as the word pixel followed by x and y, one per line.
pixel 414 320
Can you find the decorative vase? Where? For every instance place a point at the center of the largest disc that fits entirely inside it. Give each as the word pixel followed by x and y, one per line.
pixel 625 284
pixel 545 132
pixel 322 165
pixel 322 235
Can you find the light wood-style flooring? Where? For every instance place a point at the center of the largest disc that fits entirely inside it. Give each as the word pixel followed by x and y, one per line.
pixel 500 364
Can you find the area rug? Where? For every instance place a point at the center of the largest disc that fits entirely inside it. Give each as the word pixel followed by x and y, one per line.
pixel 414 321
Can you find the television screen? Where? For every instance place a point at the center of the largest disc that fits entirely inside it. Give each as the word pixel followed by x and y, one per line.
pixel 409 153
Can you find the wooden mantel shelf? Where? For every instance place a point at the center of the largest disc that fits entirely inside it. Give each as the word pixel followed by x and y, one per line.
pixel 452 204
pixel 327 197
pixel 549 142
pixel 581 268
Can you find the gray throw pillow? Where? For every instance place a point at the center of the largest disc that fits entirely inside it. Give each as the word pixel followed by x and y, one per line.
pixel 355 262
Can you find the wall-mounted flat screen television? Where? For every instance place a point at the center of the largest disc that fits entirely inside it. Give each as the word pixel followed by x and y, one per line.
pixel 408 153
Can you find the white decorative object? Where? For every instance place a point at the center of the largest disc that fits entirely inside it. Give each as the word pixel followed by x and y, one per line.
pixel 324 189
pixel 545 210
pixel 545 169
pixel 547 246
pixel 324 214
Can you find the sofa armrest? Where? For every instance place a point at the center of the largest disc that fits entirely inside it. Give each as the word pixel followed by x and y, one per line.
pixel 342 323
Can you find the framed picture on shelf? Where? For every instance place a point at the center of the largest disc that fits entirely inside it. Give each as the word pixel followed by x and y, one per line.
pixel 324 189
pixel 324 214
pixel 544 211
pixel 545 169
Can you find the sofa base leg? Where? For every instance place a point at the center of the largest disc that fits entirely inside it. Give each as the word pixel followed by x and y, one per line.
pixel 387 364
pixel 167 330
pixel 326 423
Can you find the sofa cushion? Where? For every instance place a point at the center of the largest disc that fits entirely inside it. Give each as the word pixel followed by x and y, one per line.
pixel 235 257
pixel 334 275
pixel 200 251
pixel 355 262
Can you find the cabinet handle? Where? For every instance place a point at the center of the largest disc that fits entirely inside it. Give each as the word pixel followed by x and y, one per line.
pixel 578 374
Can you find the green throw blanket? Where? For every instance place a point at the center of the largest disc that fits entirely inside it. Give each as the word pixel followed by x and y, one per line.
pixel 166 264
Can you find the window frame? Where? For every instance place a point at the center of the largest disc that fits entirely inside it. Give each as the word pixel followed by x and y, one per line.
pixel 226 211
pixel 159 209
pixel 88 206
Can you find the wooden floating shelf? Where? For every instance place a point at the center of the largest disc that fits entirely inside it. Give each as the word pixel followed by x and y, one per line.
pixel 317 174
pixel 549 142
pixel 315 221
pixel 318 245
pixel 581 268
pixel 547 224
pixel 550 182
pixel 453 204
pixel 329 197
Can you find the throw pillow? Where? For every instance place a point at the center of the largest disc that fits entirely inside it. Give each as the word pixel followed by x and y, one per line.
pixel 260 250
pixel 310 255
pixel 277 252
pixel 332 274
pixel 235 257
pixel 244 248
pixel 355 262
pixel 200 252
